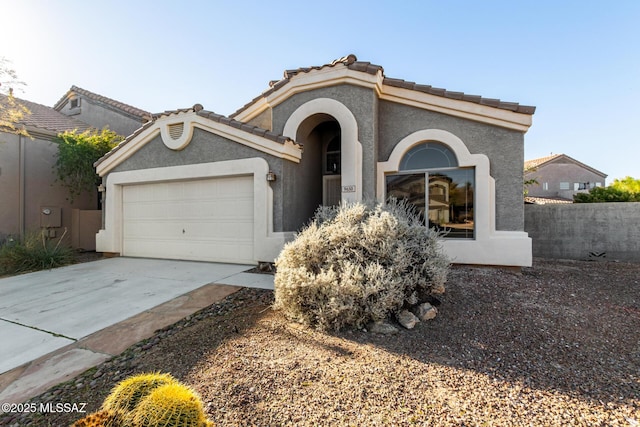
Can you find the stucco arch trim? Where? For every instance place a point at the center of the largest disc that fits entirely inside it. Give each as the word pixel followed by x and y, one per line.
pixel 489 246
pixel 351 147
pixel 169 132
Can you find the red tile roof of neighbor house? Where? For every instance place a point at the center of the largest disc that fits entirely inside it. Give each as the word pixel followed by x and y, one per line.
pixel 46 118
pixel 352 63
pixel 137 112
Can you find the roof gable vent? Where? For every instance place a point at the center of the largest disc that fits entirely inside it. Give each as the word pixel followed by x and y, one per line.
pixel 175 130
pixel 176 136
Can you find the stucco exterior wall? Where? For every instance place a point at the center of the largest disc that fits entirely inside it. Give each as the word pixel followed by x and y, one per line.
pixel 382 124
pixel 262 120
pixel 503 147
pixel 605 231
pixel 9 184
pixel 27 183
pixel 554 173
pixel 302 187
pixel 207 147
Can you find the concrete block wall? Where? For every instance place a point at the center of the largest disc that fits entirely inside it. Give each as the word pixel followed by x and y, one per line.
pixel 599 231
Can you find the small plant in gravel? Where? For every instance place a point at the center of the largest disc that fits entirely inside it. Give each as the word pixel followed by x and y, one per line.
pixel 358 263
pixel 34 252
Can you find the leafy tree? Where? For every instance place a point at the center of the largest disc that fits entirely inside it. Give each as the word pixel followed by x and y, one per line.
pixel 606 194
pixel 628 184
pixel 11 110
pixel 77 152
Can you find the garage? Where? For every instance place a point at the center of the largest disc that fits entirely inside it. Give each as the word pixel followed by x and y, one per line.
pixel 201 220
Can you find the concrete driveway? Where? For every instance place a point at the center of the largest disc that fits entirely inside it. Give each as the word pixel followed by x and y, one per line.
pixel 55 324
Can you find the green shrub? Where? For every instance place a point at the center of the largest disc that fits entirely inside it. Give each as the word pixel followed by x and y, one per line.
pixel 607 195
pixel 34 252
pixel 358 263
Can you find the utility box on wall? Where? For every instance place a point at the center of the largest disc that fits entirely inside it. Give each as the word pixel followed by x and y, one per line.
pixel 50 217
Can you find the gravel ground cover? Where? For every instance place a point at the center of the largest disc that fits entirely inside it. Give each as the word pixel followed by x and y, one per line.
pixel 557 344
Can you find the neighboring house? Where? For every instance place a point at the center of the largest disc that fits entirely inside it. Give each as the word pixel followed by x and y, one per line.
pixel 29 196
pixel 559 177
pixel 100 111
pixel 195 185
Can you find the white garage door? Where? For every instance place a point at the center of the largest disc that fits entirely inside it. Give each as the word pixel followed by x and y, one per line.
pixel 203 220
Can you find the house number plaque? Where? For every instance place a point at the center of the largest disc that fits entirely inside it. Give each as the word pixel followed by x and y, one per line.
pixel 348 188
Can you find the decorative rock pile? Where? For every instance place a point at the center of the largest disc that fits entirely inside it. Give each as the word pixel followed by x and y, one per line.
pixel 406 318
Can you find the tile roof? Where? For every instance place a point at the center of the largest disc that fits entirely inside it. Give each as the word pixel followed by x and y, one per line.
pixel 46 118
pixel 534 163
pixel 137 112
pixel 352 63
pixel 255 130
pixel 546 200
pixel 530 165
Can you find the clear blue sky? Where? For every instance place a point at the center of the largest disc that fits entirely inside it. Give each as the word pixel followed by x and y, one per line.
pixel 578 62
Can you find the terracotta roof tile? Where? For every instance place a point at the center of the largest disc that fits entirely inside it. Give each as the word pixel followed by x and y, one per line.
pixel 46 118
pixel 137 112
pixel 352 63
pixel 546 200
pixel 534 163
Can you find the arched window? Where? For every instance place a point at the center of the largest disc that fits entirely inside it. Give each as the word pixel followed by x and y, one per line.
pixel 429 178
pixel 428 155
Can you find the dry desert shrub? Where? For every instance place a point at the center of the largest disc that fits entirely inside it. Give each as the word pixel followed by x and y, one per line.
pixel 358 263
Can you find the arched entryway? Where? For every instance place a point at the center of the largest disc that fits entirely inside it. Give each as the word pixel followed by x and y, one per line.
pixel 320 120
pixel 319 177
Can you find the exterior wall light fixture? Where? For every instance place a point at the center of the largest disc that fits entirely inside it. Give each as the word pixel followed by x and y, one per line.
pixel 271 176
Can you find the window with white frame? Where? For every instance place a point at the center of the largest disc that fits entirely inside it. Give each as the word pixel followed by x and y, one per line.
pixel 564 185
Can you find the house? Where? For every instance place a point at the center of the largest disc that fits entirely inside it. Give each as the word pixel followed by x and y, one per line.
pixel 100 111
pixel 30 198
pixel 559 177
pixel 191 184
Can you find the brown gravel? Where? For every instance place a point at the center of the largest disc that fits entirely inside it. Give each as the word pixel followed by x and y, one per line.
pixel 555 345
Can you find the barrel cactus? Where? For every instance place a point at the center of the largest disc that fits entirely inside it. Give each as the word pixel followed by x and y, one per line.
pixel 171 405
pixel 149 400
pixel 126 395
pixel 102 418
